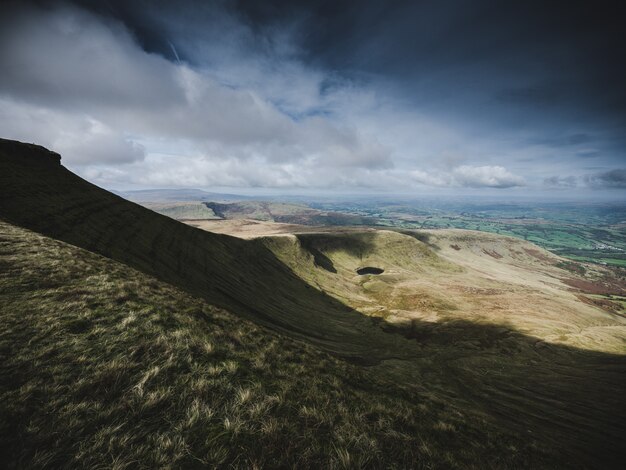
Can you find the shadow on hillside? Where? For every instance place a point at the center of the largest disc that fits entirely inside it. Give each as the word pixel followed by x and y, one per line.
pixel 422 237
pixel 568 398
pixel 319 258
pixel 217 208
pixel 357 245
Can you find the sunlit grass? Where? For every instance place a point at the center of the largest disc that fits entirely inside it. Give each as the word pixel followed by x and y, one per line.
pixel 103 366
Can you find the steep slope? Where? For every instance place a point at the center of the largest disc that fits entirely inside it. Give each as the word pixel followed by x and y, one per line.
pixel 36 192
pixel 102 366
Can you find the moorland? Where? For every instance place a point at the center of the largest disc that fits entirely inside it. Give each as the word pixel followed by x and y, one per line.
pixel 131 339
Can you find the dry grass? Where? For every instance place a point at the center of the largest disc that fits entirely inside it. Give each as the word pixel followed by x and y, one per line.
pixel 104 367
pixel 454 275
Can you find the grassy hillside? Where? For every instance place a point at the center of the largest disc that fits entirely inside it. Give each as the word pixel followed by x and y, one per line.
pixel 105 367
pixel 244 277
pixel 448 275
pixel 145 357
pixel 182 210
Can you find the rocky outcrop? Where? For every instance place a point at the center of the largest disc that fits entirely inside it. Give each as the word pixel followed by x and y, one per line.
pixel 29 153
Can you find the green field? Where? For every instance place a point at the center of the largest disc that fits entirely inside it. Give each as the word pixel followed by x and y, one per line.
pixel 583 232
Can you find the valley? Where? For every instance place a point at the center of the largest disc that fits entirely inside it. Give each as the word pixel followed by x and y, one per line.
pixel 588 232
pixel 450 275
pixel 148 339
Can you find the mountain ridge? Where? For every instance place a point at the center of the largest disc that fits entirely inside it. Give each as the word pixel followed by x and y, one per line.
pixel 235 274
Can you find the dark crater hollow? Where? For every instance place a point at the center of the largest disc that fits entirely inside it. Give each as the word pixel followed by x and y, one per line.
pixel 369 270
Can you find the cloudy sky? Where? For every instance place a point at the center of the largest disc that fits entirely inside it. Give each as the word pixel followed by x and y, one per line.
pixel 361 96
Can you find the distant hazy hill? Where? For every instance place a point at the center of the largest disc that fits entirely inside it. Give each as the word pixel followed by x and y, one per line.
pixel 284 213
pixel 126 341
pixel 176 195
pixel 187 204
pixel 182 210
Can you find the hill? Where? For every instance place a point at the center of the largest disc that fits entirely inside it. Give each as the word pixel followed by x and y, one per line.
pixel 283 212
pixel 444 276
pixel 243 277
pixel 263 211
pixel 182 210
pixel 105 367
pixel 130 332
pixel 176 195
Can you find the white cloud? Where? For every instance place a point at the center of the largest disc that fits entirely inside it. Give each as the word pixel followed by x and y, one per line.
pixel 469 177
pixel 89 87
pixel 68 58
pixel 81 140
pixel 486 177
pixel 430 179
pixel 100 144
pixel 82 86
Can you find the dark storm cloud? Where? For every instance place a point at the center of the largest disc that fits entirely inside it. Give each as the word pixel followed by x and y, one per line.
pixel 613 179
pixel 609 179
pixel 405 37
pixel 555 64
pixel 542 67
pixel 480 94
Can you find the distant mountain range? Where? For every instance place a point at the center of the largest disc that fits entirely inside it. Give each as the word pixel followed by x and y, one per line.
pixel 177 195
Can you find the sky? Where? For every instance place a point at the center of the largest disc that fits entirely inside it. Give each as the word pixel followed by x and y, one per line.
pixel 410 97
